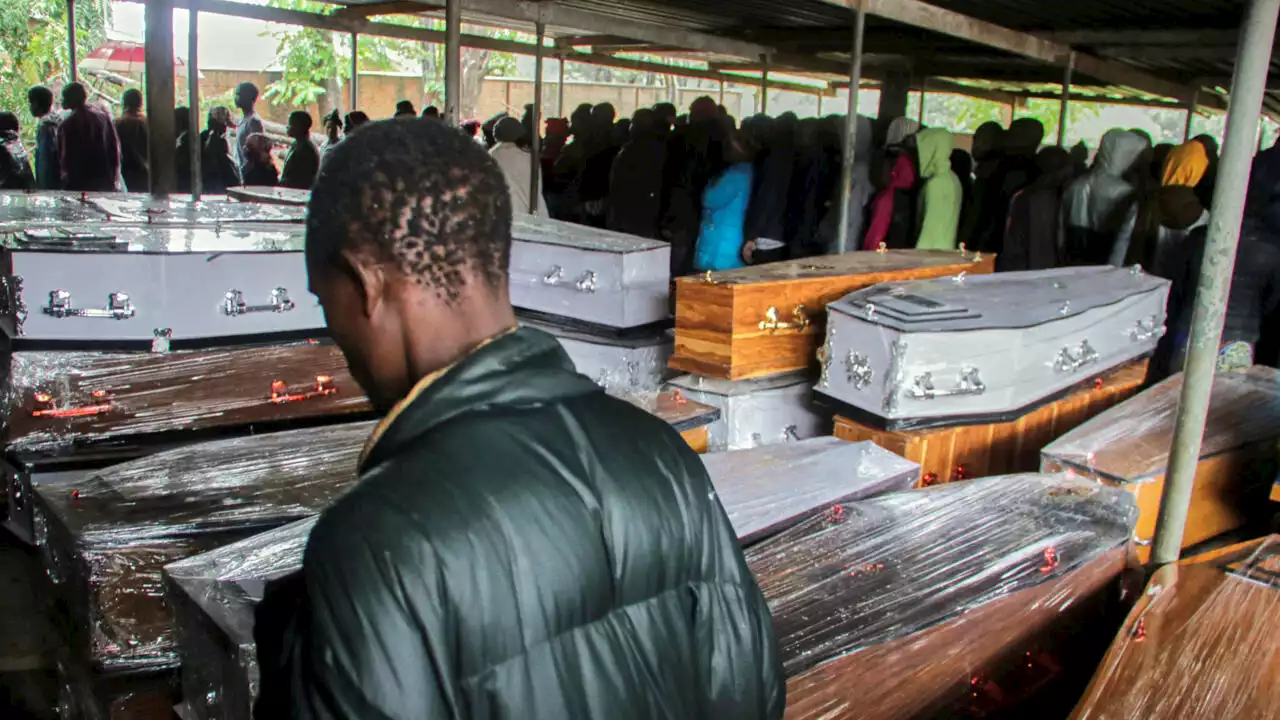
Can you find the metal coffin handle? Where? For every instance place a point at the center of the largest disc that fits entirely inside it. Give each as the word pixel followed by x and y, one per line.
pixel 46 407
pixel 281 393
pixel 119 307
pixel 233 303
pixel 1147 329
pixel 969 383
pixel 771 323
pixel 1070 359
pixel 586 282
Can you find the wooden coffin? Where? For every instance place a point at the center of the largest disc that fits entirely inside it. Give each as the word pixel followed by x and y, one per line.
pixel 770 319
pixel 753 413
pixel 1203 642
pixel 932 603
pixel 58 401
pixel 967 451
pixel 691 419
pixel 1128 446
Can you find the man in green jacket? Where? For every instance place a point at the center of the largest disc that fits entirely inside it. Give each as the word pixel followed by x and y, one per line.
pixel 940 194
pixel 520 544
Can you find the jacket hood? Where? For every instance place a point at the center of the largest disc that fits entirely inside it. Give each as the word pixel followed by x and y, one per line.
pixel 934 147
pixel 1185 166
pixel 1117 153
pixel 900 129
pixel 903 174
pixel 525 367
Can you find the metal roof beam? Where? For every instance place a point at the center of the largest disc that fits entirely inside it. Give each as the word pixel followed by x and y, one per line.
pixel 716 75
pixel 1168 52
pixel 395 7
pixel 1143 37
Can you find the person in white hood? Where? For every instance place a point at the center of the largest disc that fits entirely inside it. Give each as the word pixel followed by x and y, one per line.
pixel 1095 205
pixel 515 164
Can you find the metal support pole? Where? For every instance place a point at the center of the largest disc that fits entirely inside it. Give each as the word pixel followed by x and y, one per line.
pixel 453 61
pixel 820 96
pixel 920 114
pixel 158 63
pixel 1065 105
pixel 764 87
pixel 73 72
pixel 560 91
pixel 535 142
pixel 722 92
pixel 193 98
pixel 1191 114
pixel 851 130
pixel 1253 56
pixel 355 72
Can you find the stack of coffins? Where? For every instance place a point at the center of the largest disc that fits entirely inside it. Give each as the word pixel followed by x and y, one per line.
pixel 748 336
pixel 963 600
pixel 1202 642
pixel 971 375
pixel 602 294
pixel 1128 447
pixel 213 595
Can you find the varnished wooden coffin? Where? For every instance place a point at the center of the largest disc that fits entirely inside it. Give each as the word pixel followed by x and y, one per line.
pixel 770 319
pixel 1128 446
pixel 65 400
pixel 691 419
pixel 932 603
pixel 946 454
pixel 1202 643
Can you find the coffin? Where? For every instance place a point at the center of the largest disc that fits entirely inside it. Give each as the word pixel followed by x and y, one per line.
pixel 1128 447
pixel 597 277
pixel 27 209
pixel 214 594
pixel 1201 642
pixel 763 411
pixel 62 401
pixel 157 238
pixel 968 451
pixel 932 603
pixel 975 349
pixel 768 319
pixel 691 419
pixel 270 195
pixel 618 364
pixel 137 209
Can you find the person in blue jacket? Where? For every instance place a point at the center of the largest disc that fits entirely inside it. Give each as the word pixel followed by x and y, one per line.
pixel 724 210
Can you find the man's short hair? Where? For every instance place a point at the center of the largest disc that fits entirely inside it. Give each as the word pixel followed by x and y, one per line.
pixel 131 99
pixel 301 118
pixel 9 122
pixel 249 90
pixel 41 98
pixel 431 111
pixel 404 107
pixel 74 95
pixel 421 196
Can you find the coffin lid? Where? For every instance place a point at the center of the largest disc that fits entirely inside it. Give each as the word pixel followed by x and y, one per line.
pixel 180 210
pixel 826 266
pixel 1130 442
pixel 89 237
pixel 19 209
pixel 1003 300
pixel 530 228
pixel 739 388
pixel 670 407
pixel 659 337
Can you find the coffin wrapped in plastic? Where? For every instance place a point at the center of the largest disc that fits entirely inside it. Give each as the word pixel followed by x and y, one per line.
pixel 59 401
pixel 768 319
pixel 138 209
pixel 270 195
pixel 1201 642
pixel 108 535
pixel 768 489
pixel 600 278
pixel 618 364
pixel 19 209
pixel 111 237
pixel 763 411
pixel 986 348
pixel 950 601
pixel 691 419
pixel 1128 447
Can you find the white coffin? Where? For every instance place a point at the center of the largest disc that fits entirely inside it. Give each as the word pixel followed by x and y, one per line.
pixel 86 237
pixel 589 275
pixel 619 365
pixel 182 210
pixel 764 411
pixel 135 297
pixel 20 209
pixel 929 352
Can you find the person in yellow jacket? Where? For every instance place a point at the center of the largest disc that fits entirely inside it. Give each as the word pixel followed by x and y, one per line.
pixel 940 193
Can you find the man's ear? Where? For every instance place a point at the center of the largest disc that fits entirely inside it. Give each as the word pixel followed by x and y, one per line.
pixel 369 279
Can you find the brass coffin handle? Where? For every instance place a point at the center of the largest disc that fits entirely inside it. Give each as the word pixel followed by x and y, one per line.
pixel 45 407
pixel 799 320
pixel 281 393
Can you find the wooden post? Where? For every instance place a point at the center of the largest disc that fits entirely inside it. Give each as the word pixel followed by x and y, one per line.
pixel 920 114
pixel 158 61
pixel 73 73
pixel 535 142
pixel 1065 105
pixel 193 98
pixel 560 90
pixel 453 62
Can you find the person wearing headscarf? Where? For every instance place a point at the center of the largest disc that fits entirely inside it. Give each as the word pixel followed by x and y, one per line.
pixel 1017 170
pixel 635 189
pixel 940 192
pixel 1031 239
pixel 1204 188
pixel 218 170
pixel 988 150
pixel 900 128
pixel 1095 206
pixel 721 235
pixel 860 194
pixel 1156 226
pixel 515 162
pixel 893 208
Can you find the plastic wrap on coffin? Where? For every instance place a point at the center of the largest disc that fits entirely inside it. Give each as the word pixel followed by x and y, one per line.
pixel 590 275
pixel 690 418
pixel 110 534
pixel 768 319
pixel 768 489
pixel 182 210
pixel 270 195
pixel 20 209
pixel 959 350
pixel 1128 447
pixel 1202 642
pixel 916 604
pixel 57 401
pixel 619 365
pixel 753 413
pixel 108 237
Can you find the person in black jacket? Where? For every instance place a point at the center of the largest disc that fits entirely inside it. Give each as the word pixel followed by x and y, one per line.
pixel 15 165
pixel 131 129
pixel 303 161
pixel 519 544
pixel 635 189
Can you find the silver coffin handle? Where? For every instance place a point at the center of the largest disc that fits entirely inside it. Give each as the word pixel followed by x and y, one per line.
pixel 1147 329
pixel 586 283
pixel 1070 359
pixel 969 383
pixel 233 303
pixel 119 307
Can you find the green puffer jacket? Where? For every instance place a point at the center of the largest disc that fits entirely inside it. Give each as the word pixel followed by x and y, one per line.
pixel 522 545
pixel 940 199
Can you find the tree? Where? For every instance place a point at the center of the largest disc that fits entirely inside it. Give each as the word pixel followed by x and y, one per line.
pixel 33 48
